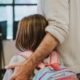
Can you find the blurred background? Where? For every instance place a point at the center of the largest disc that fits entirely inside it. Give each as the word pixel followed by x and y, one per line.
pixel 11 11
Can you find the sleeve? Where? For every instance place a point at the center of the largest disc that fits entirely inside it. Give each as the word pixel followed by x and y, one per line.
pixel 9 72
pixel 57 15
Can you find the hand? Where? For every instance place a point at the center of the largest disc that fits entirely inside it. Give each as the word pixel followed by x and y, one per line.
pixel 21 71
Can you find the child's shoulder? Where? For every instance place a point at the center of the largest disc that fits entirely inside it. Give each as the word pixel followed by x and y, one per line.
pixel 24 55
pixel 18 57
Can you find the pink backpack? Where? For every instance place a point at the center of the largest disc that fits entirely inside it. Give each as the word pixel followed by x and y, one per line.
pixel 59 72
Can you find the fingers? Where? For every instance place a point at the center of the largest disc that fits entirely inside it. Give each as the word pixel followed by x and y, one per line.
pixel 12 77
pixel 10 66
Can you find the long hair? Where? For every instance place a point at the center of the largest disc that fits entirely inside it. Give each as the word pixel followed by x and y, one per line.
pixel 31 30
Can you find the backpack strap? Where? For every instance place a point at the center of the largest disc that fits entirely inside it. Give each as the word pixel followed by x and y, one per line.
pixel 26 54
pixel 53 60
pixel 54 57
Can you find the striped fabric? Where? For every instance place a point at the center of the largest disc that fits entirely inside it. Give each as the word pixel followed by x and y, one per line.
pixel 50 69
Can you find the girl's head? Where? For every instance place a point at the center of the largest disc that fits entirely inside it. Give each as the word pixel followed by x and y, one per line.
pixel 31 30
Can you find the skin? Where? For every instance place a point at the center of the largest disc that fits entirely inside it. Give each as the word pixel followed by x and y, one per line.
pixel 23 70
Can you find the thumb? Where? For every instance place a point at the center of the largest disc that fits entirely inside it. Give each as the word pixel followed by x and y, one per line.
pixel 10 66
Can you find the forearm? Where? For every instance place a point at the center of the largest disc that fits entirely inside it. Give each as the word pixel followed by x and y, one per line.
pixel 46 46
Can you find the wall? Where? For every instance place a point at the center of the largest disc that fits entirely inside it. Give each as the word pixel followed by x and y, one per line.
pixel 9 50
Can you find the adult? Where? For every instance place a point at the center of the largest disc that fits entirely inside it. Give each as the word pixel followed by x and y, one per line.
pixel 62 32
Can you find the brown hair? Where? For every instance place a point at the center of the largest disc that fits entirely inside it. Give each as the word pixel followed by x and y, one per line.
pixel 31 30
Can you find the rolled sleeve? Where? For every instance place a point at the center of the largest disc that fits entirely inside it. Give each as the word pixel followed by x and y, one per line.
pixel 57 15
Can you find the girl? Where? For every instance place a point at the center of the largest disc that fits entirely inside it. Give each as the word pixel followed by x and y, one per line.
pixel 31 30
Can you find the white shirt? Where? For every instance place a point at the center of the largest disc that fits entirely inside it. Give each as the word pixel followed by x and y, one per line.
pixel 64 24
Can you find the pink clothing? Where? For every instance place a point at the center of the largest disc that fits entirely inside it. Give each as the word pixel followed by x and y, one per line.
pixel 53 59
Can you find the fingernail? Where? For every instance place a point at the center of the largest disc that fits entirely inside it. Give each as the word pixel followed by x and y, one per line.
pixel 6 67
